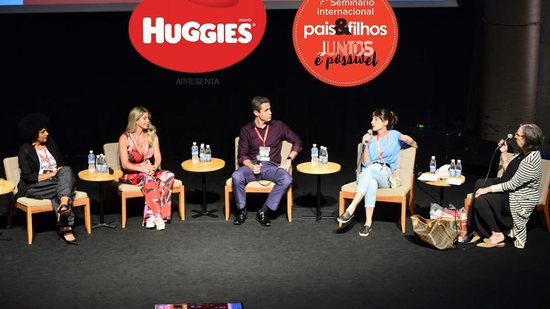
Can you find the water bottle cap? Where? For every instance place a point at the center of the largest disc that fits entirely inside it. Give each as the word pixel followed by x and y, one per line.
pixel 452 160
pixel 314 145
pixel 91 151
pixel 194 143
pixel 433 157
pixel 459 160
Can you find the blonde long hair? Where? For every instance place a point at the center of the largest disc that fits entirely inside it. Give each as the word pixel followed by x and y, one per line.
pixel 133 117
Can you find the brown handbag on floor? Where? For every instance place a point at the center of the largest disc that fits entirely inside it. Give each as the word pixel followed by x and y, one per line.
pixel 440 233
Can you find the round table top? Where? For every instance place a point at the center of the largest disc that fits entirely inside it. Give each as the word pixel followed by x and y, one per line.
pixel 99 177
pixel 318 169
pixel 203 167
pixel 6 186
pixel 443 183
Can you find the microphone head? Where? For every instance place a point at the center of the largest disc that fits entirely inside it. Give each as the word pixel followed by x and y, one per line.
pixel 369 132
pixel 509 136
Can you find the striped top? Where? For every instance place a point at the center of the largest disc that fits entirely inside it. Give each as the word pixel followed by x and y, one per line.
pixel 523 193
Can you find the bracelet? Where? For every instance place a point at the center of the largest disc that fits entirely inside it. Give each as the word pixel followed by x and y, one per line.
pixel 289 158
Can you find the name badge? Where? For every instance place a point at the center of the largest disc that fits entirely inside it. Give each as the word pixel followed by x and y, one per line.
pixel 264 153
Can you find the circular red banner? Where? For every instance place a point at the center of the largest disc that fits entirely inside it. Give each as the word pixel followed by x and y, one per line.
pixel 345 42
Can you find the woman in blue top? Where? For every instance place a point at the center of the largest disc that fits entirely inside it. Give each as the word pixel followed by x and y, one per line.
pixel 378 161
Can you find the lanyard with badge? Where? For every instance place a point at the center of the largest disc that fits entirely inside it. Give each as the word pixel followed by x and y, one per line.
pixel 263 154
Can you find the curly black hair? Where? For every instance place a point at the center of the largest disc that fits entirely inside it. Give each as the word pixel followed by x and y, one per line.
pixel 31 124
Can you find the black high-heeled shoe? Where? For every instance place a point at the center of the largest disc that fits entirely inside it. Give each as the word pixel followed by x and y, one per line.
pixel 63 212
pixel 67 230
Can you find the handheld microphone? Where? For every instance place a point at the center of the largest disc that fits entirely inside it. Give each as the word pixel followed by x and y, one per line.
pixel 509 136
pixel 369 132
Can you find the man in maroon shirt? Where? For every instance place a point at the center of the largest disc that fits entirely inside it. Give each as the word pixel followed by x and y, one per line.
pixel 259 157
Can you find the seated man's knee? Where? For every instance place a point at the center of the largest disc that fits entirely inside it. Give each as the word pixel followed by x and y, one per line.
pixel 238 176
pixel 286 180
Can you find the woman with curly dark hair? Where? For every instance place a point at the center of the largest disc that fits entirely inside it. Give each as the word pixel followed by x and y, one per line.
pixel 44 174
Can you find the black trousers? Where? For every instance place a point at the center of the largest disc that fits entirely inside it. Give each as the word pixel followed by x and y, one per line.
pixel 489 212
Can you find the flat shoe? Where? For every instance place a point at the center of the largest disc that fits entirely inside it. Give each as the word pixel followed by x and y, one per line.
pixel 345 217
pixel 475 239
pixel 488 244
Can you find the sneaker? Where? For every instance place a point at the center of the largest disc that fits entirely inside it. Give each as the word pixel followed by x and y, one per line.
pixel 159 222
pixel 365 231
pixel 345 217
pixel 150 223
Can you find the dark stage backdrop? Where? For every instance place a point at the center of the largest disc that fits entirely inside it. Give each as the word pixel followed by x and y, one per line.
pixel 81 70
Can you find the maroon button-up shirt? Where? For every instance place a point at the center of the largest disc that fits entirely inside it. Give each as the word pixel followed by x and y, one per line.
pixel 250 142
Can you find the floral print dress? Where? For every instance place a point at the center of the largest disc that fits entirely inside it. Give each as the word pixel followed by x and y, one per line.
pixel 156 188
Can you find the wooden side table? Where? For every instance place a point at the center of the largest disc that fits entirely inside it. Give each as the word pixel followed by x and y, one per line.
pixel 100 178
pixel 6 186
pixel 318 169
pixel 203 168
pixel 442 184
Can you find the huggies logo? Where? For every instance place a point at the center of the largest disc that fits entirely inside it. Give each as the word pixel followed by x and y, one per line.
pixel 197 36
pixel 194 32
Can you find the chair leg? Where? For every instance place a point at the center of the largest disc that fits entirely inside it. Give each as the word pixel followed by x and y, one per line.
pixel 29 226
pixel 411 199
pixel 546 213
pixel 123 210
pixel 467 204
pixel 289 203
pixel 87 218
pixel 226 196
pixel 341 205
pixel 181 203
pixel 403 214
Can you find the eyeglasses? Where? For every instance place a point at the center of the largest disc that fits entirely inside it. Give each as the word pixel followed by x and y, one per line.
pixel 518 135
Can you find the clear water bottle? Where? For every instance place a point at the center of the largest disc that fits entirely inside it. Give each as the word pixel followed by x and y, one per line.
pixel 314 155
pixel 452 168
pixel 98 163
pixel 201 153
pixel 433 165
pixel 323 155
pixel 103 163
pixel 207 154
pixel 91 162
pixel 458 170
pixel 195 152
